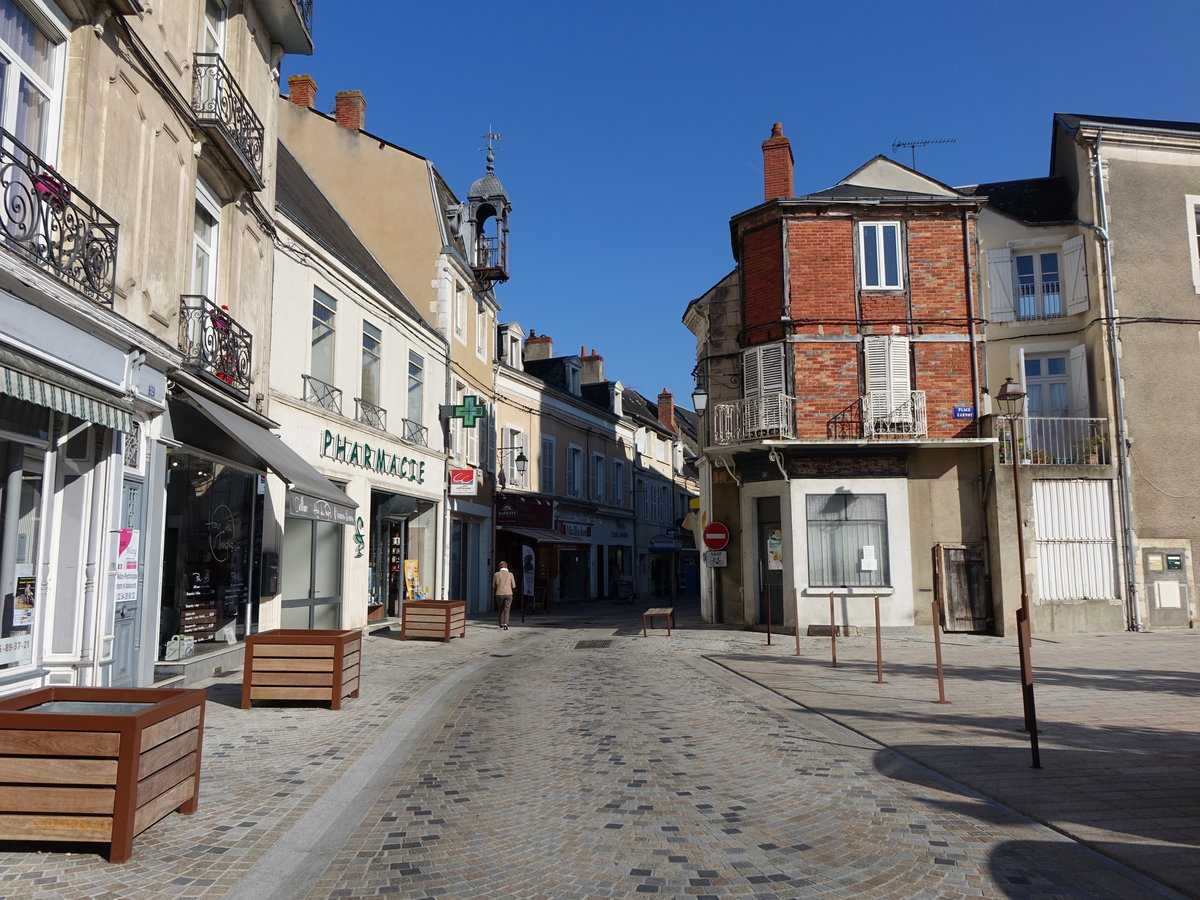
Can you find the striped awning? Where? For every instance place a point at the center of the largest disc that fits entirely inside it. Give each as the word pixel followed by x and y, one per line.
pixel 36 383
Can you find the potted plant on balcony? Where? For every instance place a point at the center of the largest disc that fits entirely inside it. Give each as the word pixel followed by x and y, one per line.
pixel 1093 448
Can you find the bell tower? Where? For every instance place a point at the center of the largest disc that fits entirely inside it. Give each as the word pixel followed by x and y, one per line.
pixel 486 231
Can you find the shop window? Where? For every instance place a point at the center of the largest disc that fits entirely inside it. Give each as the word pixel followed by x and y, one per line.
pixel 209 550
pixel 20 507
pixel 847 540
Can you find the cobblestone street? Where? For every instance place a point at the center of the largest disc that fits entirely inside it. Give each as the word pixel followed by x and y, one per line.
pixel 576 761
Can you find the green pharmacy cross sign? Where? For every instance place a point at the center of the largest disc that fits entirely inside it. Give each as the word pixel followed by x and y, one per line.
pixel 470 411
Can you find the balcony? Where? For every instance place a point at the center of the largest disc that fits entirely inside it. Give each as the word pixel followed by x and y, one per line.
pixel 772 417
pixel 324 395
pixel 367 413
pixel 52 225
pixel 415 432
pixel 225 115
pixel 214 345
pixel 289 23
pixel 894 415
pixel 1050 441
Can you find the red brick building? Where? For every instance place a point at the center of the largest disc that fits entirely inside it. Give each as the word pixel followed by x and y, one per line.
pixel 843 359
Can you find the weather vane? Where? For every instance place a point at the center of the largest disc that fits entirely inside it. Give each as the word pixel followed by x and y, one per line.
pixel 913 145
pixel 491 151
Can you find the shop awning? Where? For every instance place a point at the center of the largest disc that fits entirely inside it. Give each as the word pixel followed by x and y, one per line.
pixel 310 494
pixel 545 535
pixel 34 382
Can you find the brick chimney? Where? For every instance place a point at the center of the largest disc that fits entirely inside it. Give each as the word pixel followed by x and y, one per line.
pixel 350 109
pixel 777 164
pixel 593 367
pixel 666 409
pixel 302 90
pixel 538 347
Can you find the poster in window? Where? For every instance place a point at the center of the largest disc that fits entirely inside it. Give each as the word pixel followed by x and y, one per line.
pixel 527 568
pixel 775 549
pixel 24 603
pixel 127 565
pixel 412 580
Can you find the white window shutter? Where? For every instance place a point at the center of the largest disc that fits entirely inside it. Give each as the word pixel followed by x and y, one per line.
pixel 1075 290
pixel 751 379
pixel 875 354
pixel 773 379
pixel 899 379
pixel 1000 285
pixel 1078 385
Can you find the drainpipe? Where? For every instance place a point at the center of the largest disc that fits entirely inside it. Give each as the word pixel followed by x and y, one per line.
pixel 1132 612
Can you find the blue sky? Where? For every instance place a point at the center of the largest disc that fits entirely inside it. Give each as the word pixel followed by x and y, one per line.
pixel 632 131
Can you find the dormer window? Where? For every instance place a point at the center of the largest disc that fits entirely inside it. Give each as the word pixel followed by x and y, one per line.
pixel 573 379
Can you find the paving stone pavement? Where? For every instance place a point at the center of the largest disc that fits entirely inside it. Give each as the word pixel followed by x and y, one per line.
pixel 528 764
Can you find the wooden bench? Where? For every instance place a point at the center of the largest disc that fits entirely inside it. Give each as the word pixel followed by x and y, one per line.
pixel 667 612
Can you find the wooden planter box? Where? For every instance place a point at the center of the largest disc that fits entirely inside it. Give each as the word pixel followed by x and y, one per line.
pixel 301 664
pixel 434 618
pixel 99 764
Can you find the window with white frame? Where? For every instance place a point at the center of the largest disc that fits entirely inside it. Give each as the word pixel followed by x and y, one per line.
pixel 481 332
pixel 847 540
pixel 513 442
pixel 662 449
pixel 881 261
pixel 213 39
pixel 416 388
pixel 206 224
pixel 1037 282
pixel 599 478
pixel 574 471
pixel 460 310
pixel 1192 204
pixel 547 466
pixel 616 491
pixel 573 379
pixel 324 330
pixel 372 353
pixel 30 76
pixel 889 378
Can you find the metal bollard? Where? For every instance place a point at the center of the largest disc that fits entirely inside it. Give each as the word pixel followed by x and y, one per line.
pixel 878 646
pixel 937 646
pixel 832 634
pixel 796 608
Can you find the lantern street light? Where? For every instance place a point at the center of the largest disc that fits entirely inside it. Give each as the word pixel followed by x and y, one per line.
pixel 699 400
pixel 1011 400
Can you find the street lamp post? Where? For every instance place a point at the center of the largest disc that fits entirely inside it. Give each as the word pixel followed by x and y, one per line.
pixel 1012 400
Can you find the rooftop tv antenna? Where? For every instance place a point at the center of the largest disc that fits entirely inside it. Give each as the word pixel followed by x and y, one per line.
pixel 913 145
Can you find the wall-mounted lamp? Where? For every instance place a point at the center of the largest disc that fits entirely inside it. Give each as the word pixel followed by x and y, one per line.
pixel 699 400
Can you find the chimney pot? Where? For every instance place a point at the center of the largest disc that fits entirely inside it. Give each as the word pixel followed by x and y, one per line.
pixel 777 165
pixel 350 109
pixel 302 90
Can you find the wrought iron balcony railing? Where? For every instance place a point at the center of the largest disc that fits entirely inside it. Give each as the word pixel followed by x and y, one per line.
pixel 52 225
pixel 369 414
pixel 1042 300
pixel 1051 441
pixel 891 415
pixel 324 395
pixel 758 418
pixel 415 433
pixel 223 111
pixel 214 344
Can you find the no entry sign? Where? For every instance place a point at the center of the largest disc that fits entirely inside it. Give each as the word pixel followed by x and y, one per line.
pixel 716 536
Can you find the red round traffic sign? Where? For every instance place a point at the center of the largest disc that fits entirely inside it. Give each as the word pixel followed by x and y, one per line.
pixel 716 536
